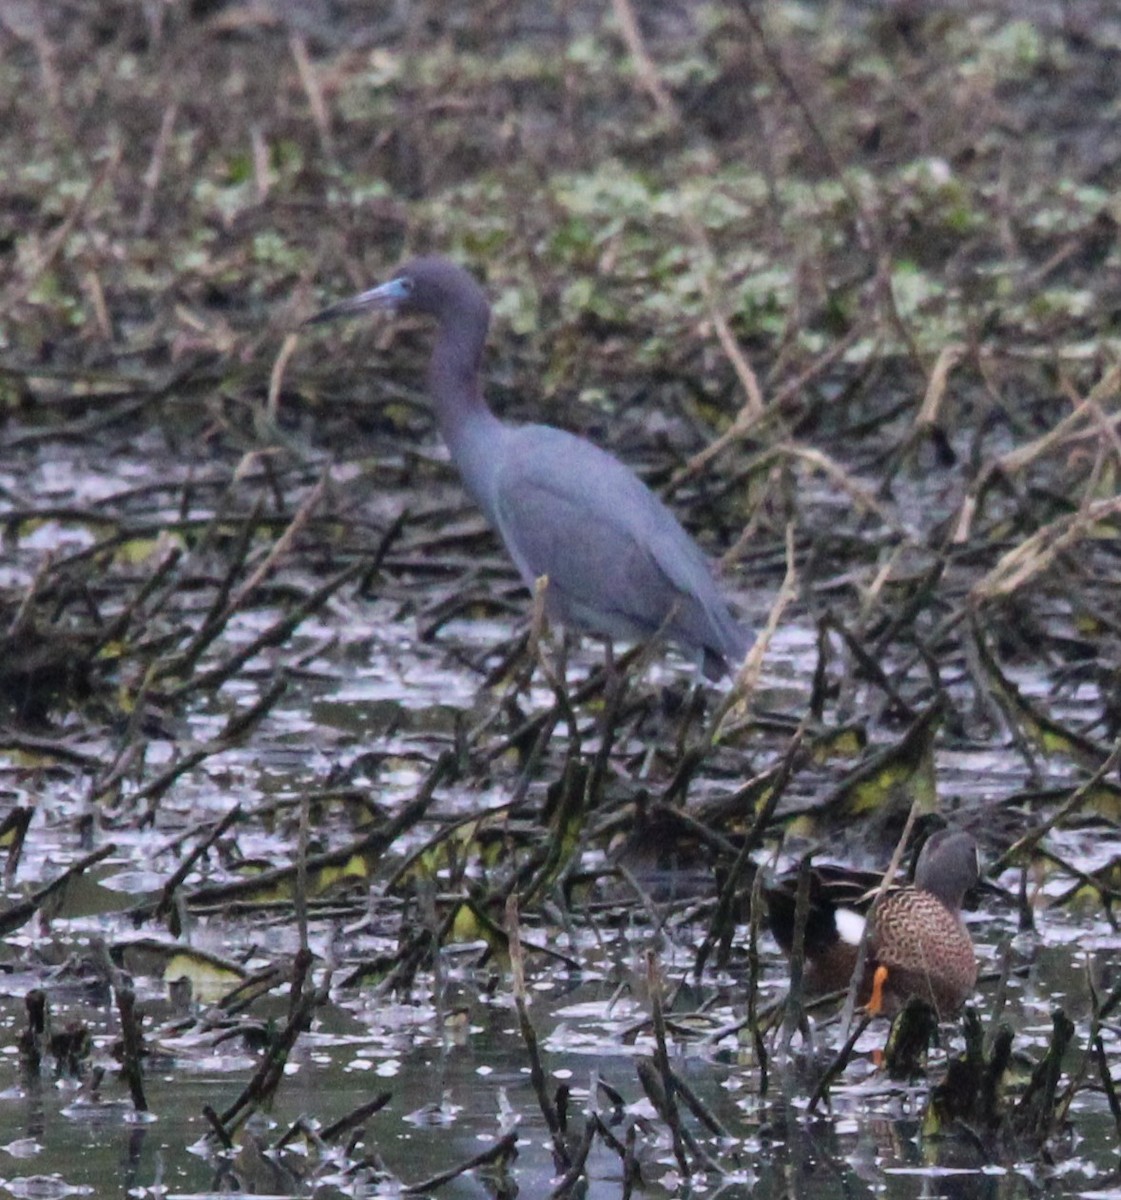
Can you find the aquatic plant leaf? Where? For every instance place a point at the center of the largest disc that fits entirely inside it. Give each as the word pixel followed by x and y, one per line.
pixel 846 741
pixel 891 782
pixel 209 975
pixel 471 924
pixel 1049 736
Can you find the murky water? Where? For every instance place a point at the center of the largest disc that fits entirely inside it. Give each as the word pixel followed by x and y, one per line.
pixel 456 1066
pixel 369 706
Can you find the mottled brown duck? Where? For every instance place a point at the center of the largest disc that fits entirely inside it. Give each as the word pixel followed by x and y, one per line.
pixel 917 943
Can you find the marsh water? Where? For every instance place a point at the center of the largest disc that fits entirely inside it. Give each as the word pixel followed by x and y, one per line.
pixel 368 709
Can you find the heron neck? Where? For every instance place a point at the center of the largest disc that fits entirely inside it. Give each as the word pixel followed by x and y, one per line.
pixel 469 428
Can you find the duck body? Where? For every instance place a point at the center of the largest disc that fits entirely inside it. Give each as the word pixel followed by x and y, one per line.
pixel 925 950
pixel 917 944
pixel 618 562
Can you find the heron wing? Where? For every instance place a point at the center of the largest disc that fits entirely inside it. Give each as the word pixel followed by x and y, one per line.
pixel 617 559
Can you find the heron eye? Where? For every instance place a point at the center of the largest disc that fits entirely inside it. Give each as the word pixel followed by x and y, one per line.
pixel 406 285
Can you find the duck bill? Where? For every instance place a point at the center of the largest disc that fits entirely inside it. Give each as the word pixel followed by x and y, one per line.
pixel 386 296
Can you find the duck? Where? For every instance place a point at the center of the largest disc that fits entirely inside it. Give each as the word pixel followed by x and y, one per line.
pixel 917 944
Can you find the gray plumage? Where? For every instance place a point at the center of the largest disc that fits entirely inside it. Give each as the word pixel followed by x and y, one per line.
pixel 618 561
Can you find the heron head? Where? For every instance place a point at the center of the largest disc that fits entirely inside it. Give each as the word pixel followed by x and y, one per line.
pixel 424 285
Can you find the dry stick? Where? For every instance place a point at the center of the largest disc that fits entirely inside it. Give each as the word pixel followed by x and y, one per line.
pixel 217 1128
pixel 407 866
pixel 1105 428
pixel 266 1079
pixel 37 580
pixel 940 634
pixel 591 686
pixel 301 966
pixel 699 1109
pixel 682 1142
pixel 869 665
pixel 743 424
pixel 218 612
pixel 297 45
pixel 793 1011
pixel 61 234
pixel 873 590
pixel 656 916
pixel 299 892
pixel 132 1047
pixel 606 1136
pixel 13 833
pixel 1095 1040
pixel 631 1171
pixel 1038 553
pixel 250 990
pixel 838 1064
pixel 1107 1081
pixel 97 301
pixel 236 727
pixel 276 376
pixel 862 498
pixel 1084 1060
pixel 1094 480
pixel 133 745
pixel 722 915
pixel 886 294
pixel 185 867
pixel 281 546
pixel 499 1152
pixel 84 430
pixel 753 970
pixel 275 635
pixel 529 1035
pixel 644 66
pixel 31 1042
pixel 948 358
pixel 825 148
pixel 572 1176
pixel 922 596
pixel 222 609
pixel 300 1127
pixel 553 678
pixel 49 748
pixel 533 759
pixel 1068 429
pixel 18 914
pixel 1000 992
pixel 738 700
pixel 753 407
pixel 117 627
pixel 615 692
pixel 151 177
pixel 355 1118
pixel 665 1081
pixel 260 156
pixel 374 842
pixel 1082 879
pixel 1106 388
pixel 1030 840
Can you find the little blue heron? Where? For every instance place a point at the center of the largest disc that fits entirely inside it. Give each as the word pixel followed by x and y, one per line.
pixel 618 563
